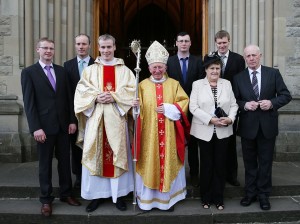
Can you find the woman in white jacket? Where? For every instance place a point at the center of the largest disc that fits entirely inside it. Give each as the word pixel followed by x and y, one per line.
pixel 212 129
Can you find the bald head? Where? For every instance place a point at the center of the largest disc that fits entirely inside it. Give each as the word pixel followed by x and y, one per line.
pixel 252 56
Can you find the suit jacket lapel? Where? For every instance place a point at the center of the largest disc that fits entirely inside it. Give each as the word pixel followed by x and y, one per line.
pixel 248 84
pixel 178 68
pixel 220 88
pixel 208 89
pixel 229 62
pixel 43 75
pixel 190 66
pixel 264 81
pixel 58 78
pixel 91 61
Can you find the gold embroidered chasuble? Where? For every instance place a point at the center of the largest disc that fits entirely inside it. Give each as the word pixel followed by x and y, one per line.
pixel 159 167
pixel 91 130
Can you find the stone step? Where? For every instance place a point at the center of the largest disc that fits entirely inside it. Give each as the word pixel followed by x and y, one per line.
pixel 284 209
pixel 20 180
pixel 19 191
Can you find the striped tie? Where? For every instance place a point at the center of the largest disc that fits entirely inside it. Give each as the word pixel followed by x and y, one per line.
pixel 223 64
pixel 255 84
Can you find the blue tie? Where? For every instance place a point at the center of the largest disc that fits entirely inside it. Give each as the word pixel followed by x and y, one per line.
pixel 184 68
pixel 81 67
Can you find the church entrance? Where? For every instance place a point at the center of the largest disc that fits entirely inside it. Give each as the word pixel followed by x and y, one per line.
pixel 148 20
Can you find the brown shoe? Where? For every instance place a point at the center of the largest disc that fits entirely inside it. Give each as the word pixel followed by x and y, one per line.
pixel 71 201
pixel 46 210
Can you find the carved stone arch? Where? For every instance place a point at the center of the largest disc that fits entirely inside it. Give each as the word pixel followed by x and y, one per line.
pixel 172 10
pixel 114 16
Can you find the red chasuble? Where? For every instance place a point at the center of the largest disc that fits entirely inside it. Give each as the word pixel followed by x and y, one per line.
pixel 161 133
pixel 108 86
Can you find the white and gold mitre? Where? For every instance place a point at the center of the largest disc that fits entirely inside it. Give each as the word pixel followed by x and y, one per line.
pixel 156 53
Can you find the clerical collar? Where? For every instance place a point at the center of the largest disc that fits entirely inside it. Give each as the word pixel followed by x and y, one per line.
pixel 164 78
pixel 112 62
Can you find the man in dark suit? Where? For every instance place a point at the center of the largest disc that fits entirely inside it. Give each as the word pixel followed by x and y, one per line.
pixel 51 118
pixel 233 64
pixel 186 69
pixel 260 91
pixel 73 68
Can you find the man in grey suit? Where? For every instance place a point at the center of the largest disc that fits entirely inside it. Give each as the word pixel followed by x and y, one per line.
pixel 50 115
pixel 186 69
pixel 260 91
pixel 73 68
pixel 233 64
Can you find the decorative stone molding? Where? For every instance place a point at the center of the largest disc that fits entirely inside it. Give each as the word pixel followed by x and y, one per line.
pixel 10 143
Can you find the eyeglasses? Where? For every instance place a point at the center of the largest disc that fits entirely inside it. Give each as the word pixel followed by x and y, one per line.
pixel 47 48
pixel 183 41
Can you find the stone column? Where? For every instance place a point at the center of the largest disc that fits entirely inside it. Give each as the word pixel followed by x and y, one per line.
pixel 57 31
pixel 70 29
pixel 269 33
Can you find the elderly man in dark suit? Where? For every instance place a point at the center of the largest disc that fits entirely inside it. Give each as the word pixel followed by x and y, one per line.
pixel 233 64
pixel 186 69
pixel 50 115
pixel 260 91
pixel 74 69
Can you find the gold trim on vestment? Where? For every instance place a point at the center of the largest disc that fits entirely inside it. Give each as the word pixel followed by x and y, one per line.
pixel 162 201
pixel 90 139
pixel 148 165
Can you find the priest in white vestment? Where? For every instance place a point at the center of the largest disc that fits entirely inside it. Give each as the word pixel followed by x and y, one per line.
pixel 102 101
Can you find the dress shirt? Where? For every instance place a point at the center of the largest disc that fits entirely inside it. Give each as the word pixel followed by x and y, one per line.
pixel 51 69
pixel 86 60
pixel 181 61
pixel 258 75
pixel 225 59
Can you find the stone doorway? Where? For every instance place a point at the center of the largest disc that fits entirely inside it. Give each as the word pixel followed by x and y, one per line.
pixel 149 20
pixel 149 24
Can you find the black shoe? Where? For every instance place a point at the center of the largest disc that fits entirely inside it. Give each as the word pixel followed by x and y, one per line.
pixel 93 205
pixel 121 205
pixel 235 182
pixel 246 201
pixel 264 204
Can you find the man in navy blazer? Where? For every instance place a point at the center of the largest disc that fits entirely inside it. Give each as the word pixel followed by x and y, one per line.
pixel 260 91
pixel 233 64
pixel 72 67
pixel 194 72
pixel 50 115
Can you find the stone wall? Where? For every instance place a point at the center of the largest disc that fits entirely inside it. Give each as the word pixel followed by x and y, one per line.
pixel 293 60
pixel 16 143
